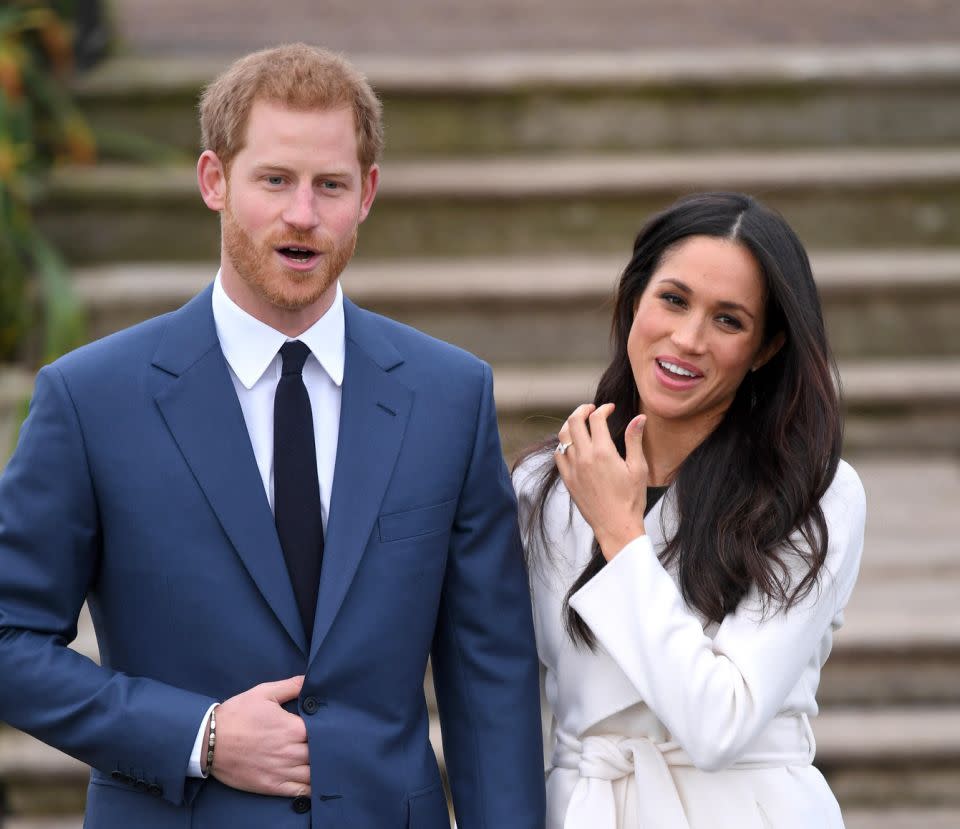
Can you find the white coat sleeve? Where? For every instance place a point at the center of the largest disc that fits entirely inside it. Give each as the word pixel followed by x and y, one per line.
pixel 716 695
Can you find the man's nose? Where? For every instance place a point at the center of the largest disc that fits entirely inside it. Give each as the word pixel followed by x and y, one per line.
pixel 301 212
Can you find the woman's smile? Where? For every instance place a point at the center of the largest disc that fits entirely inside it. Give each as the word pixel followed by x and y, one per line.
pixel 676 374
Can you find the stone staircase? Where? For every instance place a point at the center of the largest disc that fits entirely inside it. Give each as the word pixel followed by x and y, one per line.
pixel 513 187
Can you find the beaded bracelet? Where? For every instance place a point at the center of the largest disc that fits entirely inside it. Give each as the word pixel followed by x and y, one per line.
pixel 212 741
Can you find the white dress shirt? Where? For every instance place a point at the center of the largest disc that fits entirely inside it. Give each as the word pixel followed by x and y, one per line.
pixel 251 349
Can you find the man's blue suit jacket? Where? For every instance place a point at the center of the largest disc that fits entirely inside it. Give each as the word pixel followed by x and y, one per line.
pixel 134 486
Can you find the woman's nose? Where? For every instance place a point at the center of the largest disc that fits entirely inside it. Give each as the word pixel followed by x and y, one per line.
pixel 688 334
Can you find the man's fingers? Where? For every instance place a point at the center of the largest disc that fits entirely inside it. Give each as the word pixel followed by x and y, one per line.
pixel 300 775
pixel 293 788
pixel 297 728
pixel 284 690
pixel 297 754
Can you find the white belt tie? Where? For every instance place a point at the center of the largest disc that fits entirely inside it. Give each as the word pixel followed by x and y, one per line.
pixel 787 741
pixel 601 760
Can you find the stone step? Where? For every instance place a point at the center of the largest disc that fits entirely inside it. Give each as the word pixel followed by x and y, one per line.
pixel 871 757
pixel 16 386
pixel 912 520
pixel 544 309
pixel 891 756
pixel 864 818
pixel 899 646
pixel 838 198
pixel 901 640
pixel 904 405
pixel 900 643
pixel 919 817
pixel 898 405
pixel 38 779
pixel 483 104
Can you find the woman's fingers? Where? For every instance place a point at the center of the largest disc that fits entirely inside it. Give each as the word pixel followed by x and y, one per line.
pixel 599 431
pixel 633 439
pixel 567 437
pixel 608 490
pixel 585 430
pixel 576 427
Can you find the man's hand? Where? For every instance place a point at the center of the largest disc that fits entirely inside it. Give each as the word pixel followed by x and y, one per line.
pixel 260 747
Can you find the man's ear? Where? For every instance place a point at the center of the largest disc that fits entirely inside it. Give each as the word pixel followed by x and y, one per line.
pixel 371 181
pixel 212 178
pixel 768 351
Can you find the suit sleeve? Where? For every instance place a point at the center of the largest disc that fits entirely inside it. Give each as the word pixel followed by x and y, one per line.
pixel 49 556
pixel 716 695
pixel 485 664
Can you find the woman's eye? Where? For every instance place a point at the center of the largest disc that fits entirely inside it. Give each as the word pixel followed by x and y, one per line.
pixel 730 322
pixel 673 299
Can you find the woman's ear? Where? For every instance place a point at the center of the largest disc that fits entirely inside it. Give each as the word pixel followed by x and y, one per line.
pixel 768 351
pixel 212 178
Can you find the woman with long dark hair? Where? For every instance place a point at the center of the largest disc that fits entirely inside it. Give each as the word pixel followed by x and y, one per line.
pixel 693 538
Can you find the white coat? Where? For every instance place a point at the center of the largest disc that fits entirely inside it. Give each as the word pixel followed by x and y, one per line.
pixel 671 723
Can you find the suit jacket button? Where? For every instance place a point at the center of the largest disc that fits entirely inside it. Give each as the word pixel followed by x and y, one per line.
pixel 140 785
pixel 310 705
pixel 116 774
pixel 155 789
pixel 301 805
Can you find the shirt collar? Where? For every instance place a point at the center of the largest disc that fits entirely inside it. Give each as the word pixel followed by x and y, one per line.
pixel 250 345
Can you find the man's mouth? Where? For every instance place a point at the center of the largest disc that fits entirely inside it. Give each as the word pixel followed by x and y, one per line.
pixel 297 254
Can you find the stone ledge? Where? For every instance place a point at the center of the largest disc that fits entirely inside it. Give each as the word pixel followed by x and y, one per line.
pixel 516 178
pixel 888 736
pixel 897 818
pixel 23 757
pixel 914 382
pixel 541 280
pixel 469 73
pixel 902 617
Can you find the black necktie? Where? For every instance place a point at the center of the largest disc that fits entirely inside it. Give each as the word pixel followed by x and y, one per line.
pixel 296 490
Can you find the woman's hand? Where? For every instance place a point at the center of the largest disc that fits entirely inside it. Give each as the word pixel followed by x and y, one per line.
pixel 609 491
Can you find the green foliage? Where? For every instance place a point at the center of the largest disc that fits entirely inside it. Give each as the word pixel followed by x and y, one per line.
pixel 39 127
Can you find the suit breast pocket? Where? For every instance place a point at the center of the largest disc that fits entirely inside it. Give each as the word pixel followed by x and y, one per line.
pixel 416 523
pixel 428 809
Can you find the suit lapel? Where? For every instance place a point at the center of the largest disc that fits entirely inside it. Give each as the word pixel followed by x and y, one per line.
pixel 374 410
pixel 201 410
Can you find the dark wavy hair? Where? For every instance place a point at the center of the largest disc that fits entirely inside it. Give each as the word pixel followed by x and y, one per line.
pixel 748 496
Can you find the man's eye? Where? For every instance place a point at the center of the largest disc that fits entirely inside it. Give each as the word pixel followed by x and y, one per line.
pixel 331 185
pixel 274 181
